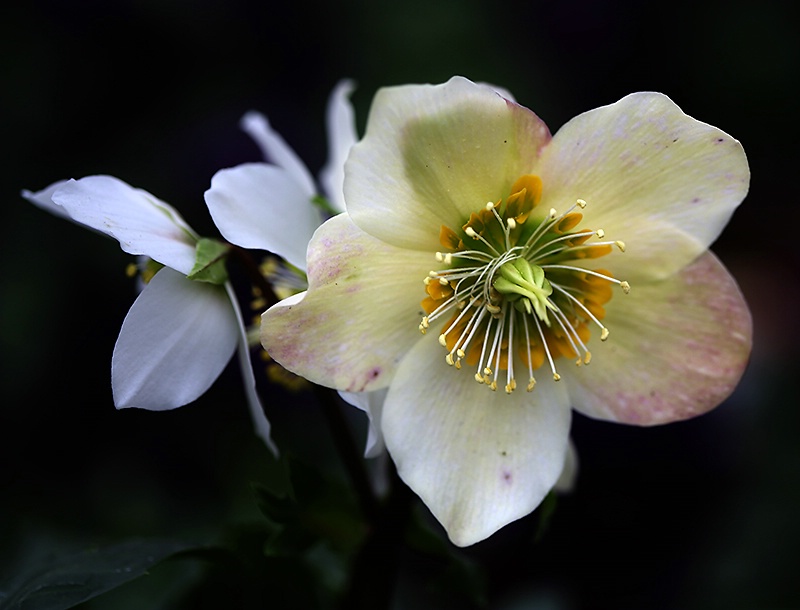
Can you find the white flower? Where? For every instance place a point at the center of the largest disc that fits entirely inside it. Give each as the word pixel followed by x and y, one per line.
pixel 269 206
pixel 180 333
pixel 461 196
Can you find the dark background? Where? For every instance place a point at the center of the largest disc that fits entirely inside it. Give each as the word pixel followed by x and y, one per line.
pixel 699 514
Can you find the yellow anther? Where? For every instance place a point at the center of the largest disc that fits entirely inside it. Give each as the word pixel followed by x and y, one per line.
pixel 442 340
pixel 531 384
pixel 492 308
pixel 478 378
pixel 471 232
pixel 489 206
pixel 426 280
pixel 449 359
pixel 512 224
pixel 600 233
pixel 487 371
pixel 581 203
pixel 621 245
pixel 433 273
pixel 439 257
pixel 626 287
pixel 460 353
pixel 553 213
pixel 604 334
pixel 588 357
pixel 443 281
pixel 556 377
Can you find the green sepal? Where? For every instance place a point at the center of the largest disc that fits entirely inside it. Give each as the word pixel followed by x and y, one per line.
pixel 323 204
pixel 209 262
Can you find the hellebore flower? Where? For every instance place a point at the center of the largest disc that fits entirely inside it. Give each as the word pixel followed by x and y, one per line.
pixel 185 325
pixel 480 259
pixel 275 206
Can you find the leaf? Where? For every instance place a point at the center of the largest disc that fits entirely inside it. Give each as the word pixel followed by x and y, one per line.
pixel 62 582
pixel 209 262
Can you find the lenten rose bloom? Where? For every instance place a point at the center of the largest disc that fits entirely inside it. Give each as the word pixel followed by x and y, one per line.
pixel 491 277
pixel 180 333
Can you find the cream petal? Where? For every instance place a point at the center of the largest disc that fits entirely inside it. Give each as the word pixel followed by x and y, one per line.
pixel 478 459
pixel 655 178
pixel 676 349
pixel 277 151
pixel 432 154
pixel 261 206
pixel 175 341
pixel 360 314
pixel 372 404
pixel 341 124
pixel 141 223
pixel 569 473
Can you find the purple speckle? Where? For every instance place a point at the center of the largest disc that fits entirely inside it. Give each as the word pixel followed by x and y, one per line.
pixel 507 477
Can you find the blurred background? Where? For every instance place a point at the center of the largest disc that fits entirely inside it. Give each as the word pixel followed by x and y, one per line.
pixel 698 514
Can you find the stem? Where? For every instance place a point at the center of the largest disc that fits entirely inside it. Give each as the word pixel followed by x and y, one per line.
pixel 351 458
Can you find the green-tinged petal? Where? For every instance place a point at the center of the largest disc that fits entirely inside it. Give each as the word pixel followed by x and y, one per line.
pixel 341 126
pixel 677 348
pixel 175 341
pixel 277 151
pixel 359 316
pixel 653 177
pixel 140 222
pixel 261 206
pixel 432 154
pixel 478 459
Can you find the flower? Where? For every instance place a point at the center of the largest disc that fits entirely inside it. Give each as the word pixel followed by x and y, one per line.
pixel 180 333
pixel 474 240
pixel 268 206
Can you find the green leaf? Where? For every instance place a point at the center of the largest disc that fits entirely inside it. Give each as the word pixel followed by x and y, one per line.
pixel 209 262
pixel 58 583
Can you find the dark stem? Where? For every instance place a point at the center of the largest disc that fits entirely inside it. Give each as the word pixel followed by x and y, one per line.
pixel 352 458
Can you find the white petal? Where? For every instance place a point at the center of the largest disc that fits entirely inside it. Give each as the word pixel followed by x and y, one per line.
pixel 260 421
pixel 174 343
pixel 44 199
pixel 341 124
pixel 372 404
pixel 478 459
pixel 141 223
pixel 277 151
pixel 261 206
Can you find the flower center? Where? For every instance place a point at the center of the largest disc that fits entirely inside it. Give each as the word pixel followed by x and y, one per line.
pixel 514 290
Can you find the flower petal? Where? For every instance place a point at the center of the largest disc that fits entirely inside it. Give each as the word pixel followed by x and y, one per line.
pixel 260 422
pixel 655 178
pixel 174 343
pixel 478 459
pixel 677 349
pixel 434 154
pixel 277 151
pixel 372 404
pixel 360 314
pixel 569 473
pixel 44 199
pixel 141 223
pixel 341 124
pixel 261 206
